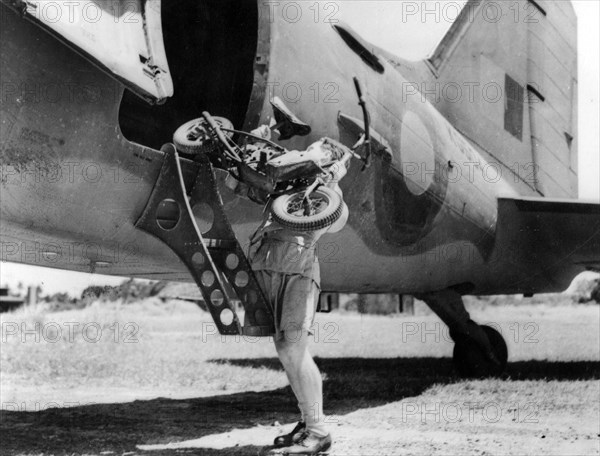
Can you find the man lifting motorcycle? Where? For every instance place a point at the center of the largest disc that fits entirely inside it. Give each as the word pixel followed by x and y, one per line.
pixel 286 266
pixel 302 201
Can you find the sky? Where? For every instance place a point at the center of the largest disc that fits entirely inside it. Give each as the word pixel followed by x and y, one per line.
pixel 386 28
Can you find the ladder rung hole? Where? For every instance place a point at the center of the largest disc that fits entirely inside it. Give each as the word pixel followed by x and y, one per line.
pixel 168 214
pixel 204 216
pixel 207 278
pixel 252 296
pixel 241 279
pixel 226 316
pixel 198 258
pixel 216 297
pixel 232 261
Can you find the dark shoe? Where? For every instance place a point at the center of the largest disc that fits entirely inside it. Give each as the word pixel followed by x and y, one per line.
pixel 292 437
pixel 308 444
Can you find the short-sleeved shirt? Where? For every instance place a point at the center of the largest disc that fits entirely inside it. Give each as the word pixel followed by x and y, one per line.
pixel 281 250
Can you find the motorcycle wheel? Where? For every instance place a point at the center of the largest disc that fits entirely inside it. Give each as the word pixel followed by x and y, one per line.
pixel 325 208
pixel 193 137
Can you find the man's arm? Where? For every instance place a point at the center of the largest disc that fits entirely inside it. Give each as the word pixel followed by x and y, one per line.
pixel 338 172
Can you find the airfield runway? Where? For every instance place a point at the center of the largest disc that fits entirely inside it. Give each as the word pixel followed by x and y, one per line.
pixel 154 379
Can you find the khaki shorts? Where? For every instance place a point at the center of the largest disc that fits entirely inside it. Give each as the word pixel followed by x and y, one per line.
pixel 293 299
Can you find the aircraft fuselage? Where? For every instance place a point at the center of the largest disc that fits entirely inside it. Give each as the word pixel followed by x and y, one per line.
pixel 423 216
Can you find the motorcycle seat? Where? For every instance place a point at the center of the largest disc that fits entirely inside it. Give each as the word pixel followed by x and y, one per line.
pixel 287 123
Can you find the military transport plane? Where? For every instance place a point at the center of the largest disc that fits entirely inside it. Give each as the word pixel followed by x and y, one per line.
pixel 472 183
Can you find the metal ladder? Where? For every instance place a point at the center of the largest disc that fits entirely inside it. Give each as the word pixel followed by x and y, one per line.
pixel 211 257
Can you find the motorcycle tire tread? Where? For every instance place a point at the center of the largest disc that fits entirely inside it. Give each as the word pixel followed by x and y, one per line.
pixel 299 224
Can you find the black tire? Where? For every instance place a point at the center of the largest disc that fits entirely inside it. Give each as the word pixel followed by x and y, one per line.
pixel 192 137
pixel 471 361
pixel 327 206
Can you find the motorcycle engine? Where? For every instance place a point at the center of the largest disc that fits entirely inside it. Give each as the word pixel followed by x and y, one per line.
pixel 258 154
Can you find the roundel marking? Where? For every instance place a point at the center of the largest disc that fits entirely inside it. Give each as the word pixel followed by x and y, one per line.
pixel 417 154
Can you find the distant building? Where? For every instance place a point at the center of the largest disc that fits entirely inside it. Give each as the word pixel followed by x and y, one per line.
pixel 8 302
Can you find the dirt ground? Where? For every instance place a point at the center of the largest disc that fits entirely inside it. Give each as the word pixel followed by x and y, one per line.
pixel 388 389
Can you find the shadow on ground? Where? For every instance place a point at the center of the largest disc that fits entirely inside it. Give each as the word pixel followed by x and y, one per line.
pixel 351 384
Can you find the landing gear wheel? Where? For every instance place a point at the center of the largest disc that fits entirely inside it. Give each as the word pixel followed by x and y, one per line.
pixel 471 361
pixel 193 137
pixel 324 208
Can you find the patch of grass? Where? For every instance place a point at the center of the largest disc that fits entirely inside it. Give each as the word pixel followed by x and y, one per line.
pixel 168 347
pixel 381 377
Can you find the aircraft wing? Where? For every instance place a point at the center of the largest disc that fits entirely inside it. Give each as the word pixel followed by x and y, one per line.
pixel 122 37
pixel 560 234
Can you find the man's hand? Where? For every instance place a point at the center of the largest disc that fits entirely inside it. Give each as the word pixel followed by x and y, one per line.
pixel 337 172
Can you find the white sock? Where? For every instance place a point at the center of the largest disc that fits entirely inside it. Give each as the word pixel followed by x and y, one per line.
pixel 317 429
pixel 314 420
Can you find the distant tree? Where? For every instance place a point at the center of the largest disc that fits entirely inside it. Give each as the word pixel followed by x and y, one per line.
pixel 378 304
pixel 61 301
pixel 94 291
pixel 134 290
pixel 595 295
pixel 587 291
pixel 129 290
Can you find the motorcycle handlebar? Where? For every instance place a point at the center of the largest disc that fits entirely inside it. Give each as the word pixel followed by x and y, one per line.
pixel 215 127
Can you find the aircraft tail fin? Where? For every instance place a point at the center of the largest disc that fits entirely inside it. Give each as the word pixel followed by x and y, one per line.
pixel 508 78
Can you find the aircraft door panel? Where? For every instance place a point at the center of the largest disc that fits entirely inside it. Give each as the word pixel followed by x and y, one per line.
pixel 123 37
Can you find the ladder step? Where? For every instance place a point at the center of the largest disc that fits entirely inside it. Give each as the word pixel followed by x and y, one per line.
pixel 212 259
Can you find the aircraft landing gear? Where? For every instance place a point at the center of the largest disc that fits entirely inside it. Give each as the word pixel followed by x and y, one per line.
pixel 472 360
pixel 479 351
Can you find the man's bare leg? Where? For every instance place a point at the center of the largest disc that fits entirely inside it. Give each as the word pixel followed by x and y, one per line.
pixel 304 377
